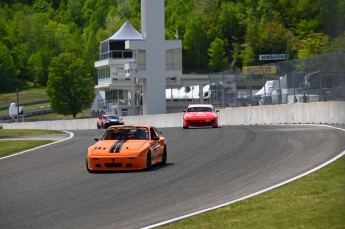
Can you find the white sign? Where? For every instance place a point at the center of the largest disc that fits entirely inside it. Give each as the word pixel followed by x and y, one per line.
pixel 274 57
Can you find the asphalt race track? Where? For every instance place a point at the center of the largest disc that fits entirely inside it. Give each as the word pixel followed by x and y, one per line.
pixel 50 187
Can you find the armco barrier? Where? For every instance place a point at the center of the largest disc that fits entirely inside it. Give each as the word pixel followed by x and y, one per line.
pixel 298 113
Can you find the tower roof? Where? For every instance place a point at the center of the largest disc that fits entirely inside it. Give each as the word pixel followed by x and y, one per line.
pixel 126 32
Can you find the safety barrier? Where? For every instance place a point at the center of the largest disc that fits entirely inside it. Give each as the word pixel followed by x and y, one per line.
pixel 297 113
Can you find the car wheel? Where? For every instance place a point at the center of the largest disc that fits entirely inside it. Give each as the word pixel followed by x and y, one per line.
pixel 164 156
pixel 185 127
pixel 148 161
pixel 215 126
pixel 103 126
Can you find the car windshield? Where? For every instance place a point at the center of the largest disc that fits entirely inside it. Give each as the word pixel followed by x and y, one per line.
pixel 126 133
pixel 111 117
pixel 199 109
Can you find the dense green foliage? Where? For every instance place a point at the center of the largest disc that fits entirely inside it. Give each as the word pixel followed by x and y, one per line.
pixel 33 32
pixel 70 88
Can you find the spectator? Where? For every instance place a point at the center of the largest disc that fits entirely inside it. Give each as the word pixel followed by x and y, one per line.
pixel 257 101
pixel 305 98
pixel 261 101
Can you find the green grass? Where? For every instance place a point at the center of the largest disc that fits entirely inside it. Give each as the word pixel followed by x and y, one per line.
pixel 85 114
pixel 28 107
pixel 32 95
pixel 9 147
pixel 27 95
pixel 18 132
pixel 315 201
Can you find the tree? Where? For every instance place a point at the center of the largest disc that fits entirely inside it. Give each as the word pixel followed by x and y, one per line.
pixel 8 73
pixel 248 27
pixel 314 44
pixel 70 87
pixel 251 40
pixel 195 42
pixel 38 64
pixel 273 38
pixel 218 59
pixel 177 10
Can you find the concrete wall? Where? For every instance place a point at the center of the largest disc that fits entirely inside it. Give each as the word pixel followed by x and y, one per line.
pixel 299 113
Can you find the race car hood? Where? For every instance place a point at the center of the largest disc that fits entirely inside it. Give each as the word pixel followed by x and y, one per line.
pixel 118 146
pixel 199 115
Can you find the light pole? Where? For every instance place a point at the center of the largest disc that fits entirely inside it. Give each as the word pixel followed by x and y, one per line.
pixel 17 106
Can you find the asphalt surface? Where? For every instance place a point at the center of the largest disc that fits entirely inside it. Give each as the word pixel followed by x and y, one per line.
pixel 50 187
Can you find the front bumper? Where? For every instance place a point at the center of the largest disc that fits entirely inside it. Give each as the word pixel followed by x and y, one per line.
pixel 111 163
pixel 200 123
pixel 106 125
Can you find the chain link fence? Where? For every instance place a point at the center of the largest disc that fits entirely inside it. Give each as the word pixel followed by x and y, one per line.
pixel 314 79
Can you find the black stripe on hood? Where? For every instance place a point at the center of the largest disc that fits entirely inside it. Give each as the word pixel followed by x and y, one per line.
pixel 119 146
pixel 113 147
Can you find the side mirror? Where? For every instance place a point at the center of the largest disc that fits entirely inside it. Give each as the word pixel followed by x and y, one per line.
pixel 155 139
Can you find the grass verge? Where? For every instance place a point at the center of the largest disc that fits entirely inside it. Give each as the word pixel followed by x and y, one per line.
pixel 27 95
pixel 85 114
pixel 314 201
pixel 9 147
pixel 20 132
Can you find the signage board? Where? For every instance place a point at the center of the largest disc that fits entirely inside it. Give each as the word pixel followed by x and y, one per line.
pixel 268 69
pixel 274 57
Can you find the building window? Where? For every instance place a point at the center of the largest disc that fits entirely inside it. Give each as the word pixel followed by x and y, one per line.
pixel 141 60
pixel 113 96
pixel 173 59
pixel 121 72
pixel 103 75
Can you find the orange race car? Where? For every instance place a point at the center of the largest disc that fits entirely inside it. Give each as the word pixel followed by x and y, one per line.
pixel 127 148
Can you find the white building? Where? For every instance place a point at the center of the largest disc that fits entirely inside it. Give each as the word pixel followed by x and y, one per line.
pixel 134 67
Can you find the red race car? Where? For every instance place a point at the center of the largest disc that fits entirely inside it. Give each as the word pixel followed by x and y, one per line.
pixel 200 115
pixel 127 148
pixel 107 120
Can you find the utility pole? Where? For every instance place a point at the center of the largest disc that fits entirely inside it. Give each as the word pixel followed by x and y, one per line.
pixel 17 106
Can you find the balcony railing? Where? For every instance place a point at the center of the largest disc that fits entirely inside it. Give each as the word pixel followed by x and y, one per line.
pixel 116 54
pixel 122 80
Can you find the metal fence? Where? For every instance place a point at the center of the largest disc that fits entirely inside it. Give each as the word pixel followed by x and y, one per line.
pixel 319 78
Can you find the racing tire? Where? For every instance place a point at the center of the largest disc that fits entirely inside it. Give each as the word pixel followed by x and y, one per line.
pixel 164 156
pixel 148 161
